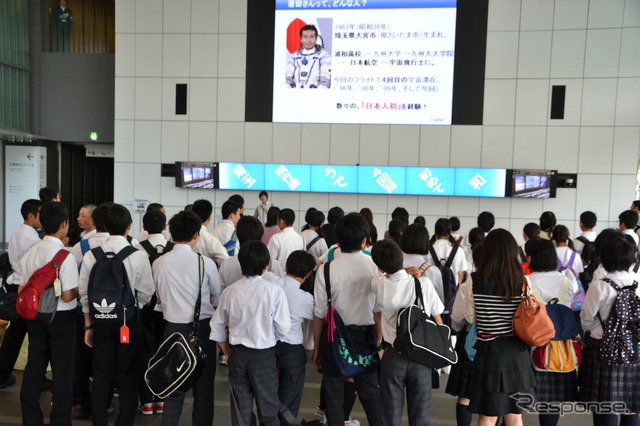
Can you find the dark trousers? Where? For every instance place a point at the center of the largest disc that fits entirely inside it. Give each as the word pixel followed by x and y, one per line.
pixel 203 386
pixel 119 362
pixel 253 373
pixel 49 342
pixel 10 349
pixel 153 325
pixel 368 393
pixel 397 374
pixel 83 370
pixel 292 360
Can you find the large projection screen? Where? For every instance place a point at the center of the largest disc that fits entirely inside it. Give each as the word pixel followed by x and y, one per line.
pixel 372 61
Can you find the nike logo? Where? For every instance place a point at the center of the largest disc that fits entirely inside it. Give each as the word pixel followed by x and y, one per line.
pixel 179 369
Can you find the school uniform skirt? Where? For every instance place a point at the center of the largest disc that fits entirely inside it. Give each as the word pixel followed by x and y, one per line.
pixel 602 383
pixel 556 387
pixel 459 383
pixel 502 367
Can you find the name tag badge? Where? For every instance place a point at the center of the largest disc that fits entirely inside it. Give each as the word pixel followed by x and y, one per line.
pixel 124 334
pixel 57 287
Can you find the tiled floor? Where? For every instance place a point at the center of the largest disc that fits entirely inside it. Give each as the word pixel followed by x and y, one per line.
pixel 443 405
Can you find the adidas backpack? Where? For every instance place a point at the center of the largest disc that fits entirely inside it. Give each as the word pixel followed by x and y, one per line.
pixel 109 290
pixel 620 344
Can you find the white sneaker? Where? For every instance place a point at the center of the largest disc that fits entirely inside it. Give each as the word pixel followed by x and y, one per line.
pixel 321 417
pixel 352 422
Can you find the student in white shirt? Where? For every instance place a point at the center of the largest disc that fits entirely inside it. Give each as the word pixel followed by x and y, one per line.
pixel 415 245
pixel 353 299
pixel 177 276
pixel 314 242
pixel 51 340
pixel 627 221
pixel 282 244
pixel 289 350
pixel 143 234
pixel 225 230
pixel 112 359
pixel 85 221
pixel 256 313
pixel 600 382
pixel 21 240
pixel 442 246
pixel 588 221
pixel 393 291
pixel 547 223
pixel 84 354
pixel 97 238
pixel 249 229
pixel 207 244
pixel 564 249
pixel 154 222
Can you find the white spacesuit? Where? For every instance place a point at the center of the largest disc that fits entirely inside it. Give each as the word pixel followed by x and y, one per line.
pixel 309 68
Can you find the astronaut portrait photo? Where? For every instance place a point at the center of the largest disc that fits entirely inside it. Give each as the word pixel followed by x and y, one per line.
pixel 308 59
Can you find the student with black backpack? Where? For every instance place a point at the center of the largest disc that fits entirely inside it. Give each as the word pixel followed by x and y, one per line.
pixel 154 222
pixel 51 336
pixel 585 246
pixel 115 281
pixel 610 371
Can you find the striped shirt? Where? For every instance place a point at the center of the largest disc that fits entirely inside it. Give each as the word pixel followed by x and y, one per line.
pixel 494 316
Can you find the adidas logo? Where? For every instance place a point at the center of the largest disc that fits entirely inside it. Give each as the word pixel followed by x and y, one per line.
pixel 104 307
pixel 105 310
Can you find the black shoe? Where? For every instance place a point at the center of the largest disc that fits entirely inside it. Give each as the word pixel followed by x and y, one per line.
pixel 9 382
pixel 80 411
pixel 46 385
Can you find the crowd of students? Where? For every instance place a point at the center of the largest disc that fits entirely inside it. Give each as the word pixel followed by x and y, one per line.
pixel 263 304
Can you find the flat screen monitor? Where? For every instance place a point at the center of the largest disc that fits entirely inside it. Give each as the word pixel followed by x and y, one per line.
pixel 530 183
pixel 196 174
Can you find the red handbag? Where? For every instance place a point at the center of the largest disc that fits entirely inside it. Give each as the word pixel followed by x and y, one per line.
pixel 531 321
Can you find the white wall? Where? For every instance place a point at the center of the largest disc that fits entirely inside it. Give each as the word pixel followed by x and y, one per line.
pixel 589 46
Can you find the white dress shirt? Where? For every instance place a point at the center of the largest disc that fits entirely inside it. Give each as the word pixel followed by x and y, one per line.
pixel 301 306
pixel 224 231
pixel 21 240
pixel 41 254
pixel 442 249
pixel 633 235
pixel 209 246
pixel 600 298
pixel 564 254
pixel 177 278
pixel 95 240
pixel 230 271
pixel 143 235
pixel 256 312
pixel 398 291
pixel 282 244
pixel 579 245
pixel 155 240
pixel 549 285
pixel 352 297
pixel 136 264
pixel 318 248
pixel 86 234
pixel 433 274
